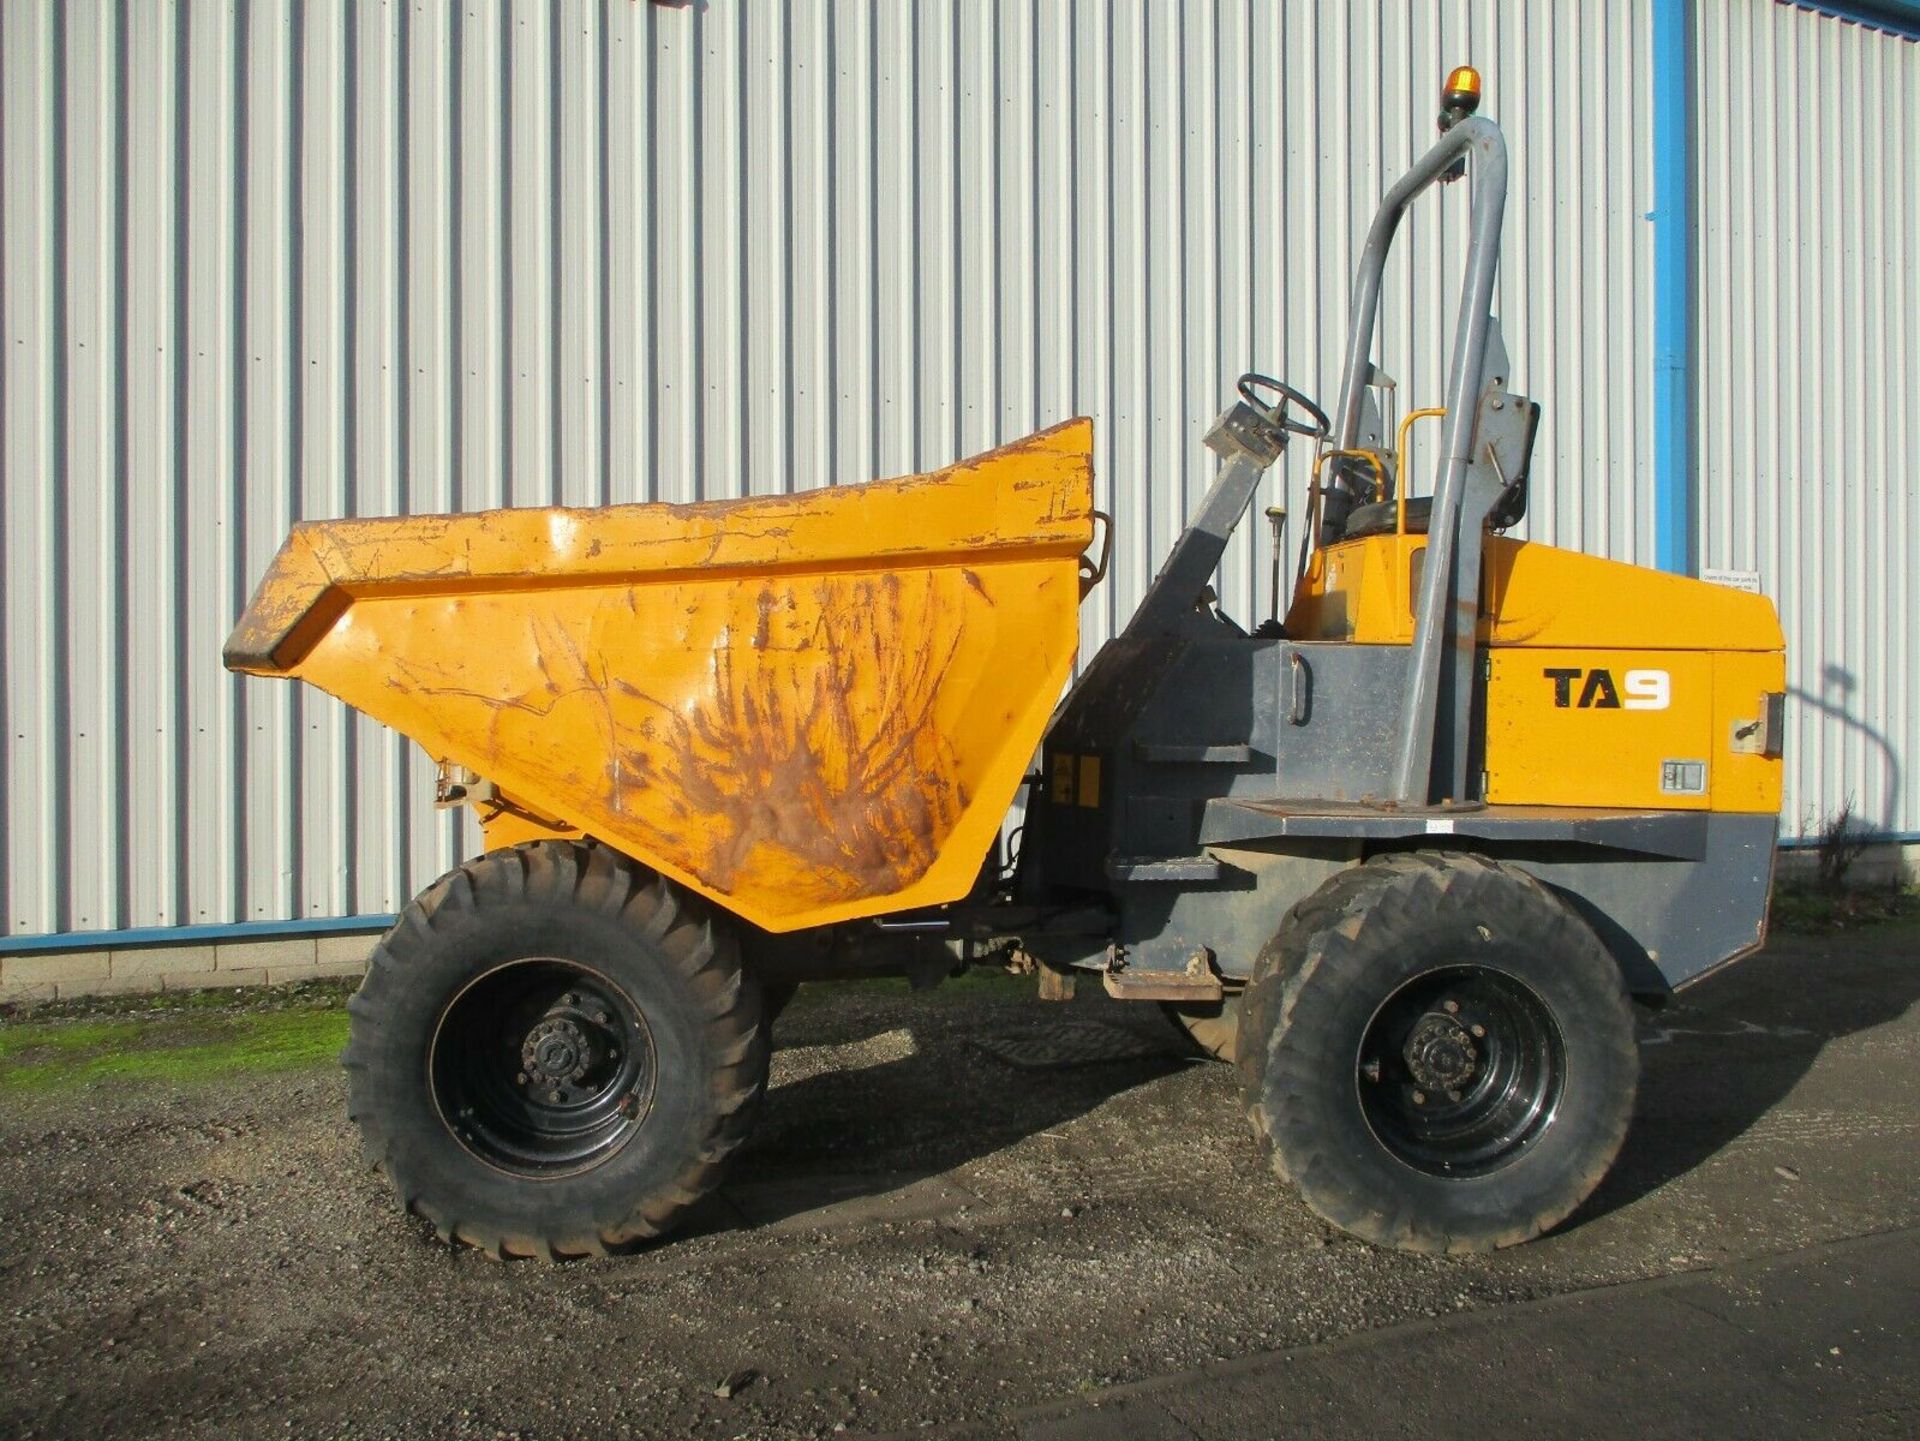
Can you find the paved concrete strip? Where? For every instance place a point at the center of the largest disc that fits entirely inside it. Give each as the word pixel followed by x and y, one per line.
pixel 1816 1342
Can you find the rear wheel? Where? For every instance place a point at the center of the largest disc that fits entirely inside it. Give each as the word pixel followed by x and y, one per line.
pixel 554 1052
pixel 776 996
pixel 1210 1028
pixel 1445 1061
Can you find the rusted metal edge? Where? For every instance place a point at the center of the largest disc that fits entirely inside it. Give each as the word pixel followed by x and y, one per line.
pixel 1198 982
pixel 301 596
pixel 1161 986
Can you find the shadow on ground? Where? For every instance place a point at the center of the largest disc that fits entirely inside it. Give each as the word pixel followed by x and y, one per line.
pixel 1725 1052
pixel 888 1112
pixel 881 1109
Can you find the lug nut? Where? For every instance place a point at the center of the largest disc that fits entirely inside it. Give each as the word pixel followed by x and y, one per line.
pixel 601 1018
pixel 1479 1031
pixel 1453 1095
pixel 1452 1007
pixel 1419 1098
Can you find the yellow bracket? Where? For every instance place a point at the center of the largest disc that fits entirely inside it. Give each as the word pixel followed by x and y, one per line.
pixel 1400 453
pixel 1372 457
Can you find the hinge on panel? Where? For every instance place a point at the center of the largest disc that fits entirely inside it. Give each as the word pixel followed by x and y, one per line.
pixel 456 786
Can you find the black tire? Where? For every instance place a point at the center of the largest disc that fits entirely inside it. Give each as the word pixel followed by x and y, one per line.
pixel 1215 1030
pixel 554 1052
pixel 1440 1054
pixel 775 997
pixel 1209 1028
pixel 1280 957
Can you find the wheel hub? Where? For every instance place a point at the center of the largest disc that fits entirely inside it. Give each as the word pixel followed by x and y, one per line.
pixel 1440 1053
pixel 1460 1070
pixel 557 1050
pixel 543 1067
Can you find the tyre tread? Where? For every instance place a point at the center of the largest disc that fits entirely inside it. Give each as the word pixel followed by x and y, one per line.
pixel 1373 907
pixel 680 930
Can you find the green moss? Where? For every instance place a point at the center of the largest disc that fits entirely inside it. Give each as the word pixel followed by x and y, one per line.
pixel 174 1049
pixel 179 1040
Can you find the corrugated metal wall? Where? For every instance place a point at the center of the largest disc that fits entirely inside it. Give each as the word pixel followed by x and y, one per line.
pixel 267 259
pixel 1808 371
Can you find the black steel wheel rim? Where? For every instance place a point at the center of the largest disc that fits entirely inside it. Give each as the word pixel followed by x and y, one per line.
pixel 1460 1071
pixel 542 1067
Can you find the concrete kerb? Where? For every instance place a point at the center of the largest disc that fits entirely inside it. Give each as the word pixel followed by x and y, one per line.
pixel 1881 863
pixel 65 975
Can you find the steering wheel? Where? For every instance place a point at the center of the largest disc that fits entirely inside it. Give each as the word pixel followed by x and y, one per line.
pixel 1253 382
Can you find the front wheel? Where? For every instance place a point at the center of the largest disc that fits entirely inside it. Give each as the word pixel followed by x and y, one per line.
pixel 1446 1062
pixel 554 1052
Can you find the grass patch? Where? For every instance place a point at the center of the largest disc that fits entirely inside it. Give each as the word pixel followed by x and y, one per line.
pixel 177 1047
pixel 178 1039
pixel 1813 910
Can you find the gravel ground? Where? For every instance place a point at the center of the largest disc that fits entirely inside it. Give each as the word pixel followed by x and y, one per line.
pixel 956 1206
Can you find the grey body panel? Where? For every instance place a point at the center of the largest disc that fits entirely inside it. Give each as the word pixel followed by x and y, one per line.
pixel 1238 774
pixel 1204 713
pixel 1668 925
pixel 1666 921
pixel 1670 835
pixel 1160 927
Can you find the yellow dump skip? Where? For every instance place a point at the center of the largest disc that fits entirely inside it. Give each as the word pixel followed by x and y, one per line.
pixel 810 708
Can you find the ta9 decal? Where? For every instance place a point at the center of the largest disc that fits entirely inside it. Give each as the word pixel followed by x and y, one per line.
pixel 1648 689
pixel 1575 687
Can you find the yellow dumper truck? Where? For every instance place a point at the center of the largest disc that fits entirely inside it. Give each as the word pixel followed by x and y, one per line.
pixel 1404 856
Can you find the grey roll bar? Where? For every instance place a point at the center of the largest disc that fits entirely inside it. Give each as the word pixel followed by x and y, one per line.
pixel 1481 138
